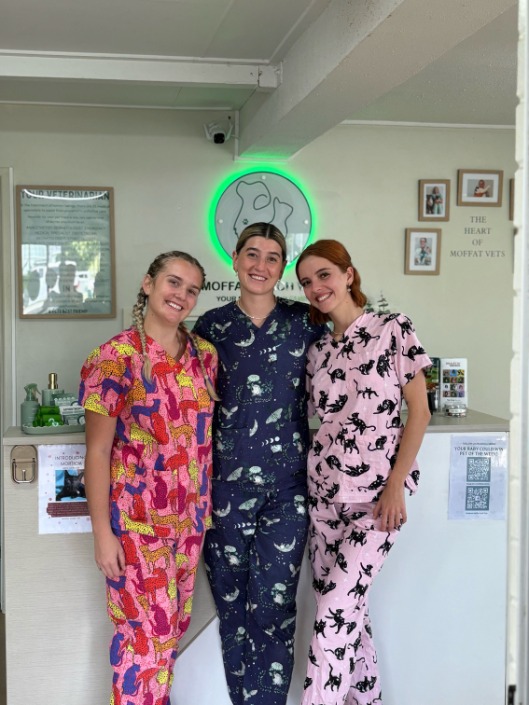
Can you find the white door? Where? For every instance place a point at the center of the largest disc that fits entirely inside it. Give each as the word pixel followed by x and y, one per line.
pixel 517 619
pixel 7 313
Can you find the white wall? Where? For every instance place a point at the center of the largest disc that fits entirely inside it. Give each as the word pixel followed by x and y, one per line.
pixel 363 183
pixel 364 180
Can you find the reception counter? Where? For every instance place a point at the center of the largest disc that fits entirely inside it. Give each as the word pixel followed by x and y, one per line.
pixel 473 422
pixel 438 607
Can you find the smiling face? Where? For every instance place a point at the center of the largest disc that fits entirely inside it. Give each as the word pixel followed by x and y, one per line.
pixel 173 292
pixel 325 285
pixel 259 265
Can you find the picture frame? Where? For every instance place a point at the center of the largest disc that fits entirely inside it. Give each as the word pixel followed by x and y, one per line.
pixel 479 187
pixel 422 251
pixel 511 199
pixel 65 251
pixel 434 199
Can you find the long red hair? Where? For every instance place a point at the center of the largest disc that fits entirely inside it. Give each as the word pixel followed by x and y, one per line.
pixel 334 252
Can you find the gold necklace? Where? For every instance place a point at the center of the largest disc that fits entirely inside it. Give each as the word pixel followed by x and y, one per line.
pixel 256 318
pixel 337 335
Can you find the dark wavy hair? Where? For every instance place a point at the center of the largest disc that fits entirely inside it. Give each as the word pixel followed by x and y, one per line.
pixel 334 252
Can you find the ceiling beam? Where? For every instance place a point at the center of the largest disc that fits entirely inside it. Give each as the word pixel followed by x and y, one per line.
pixel 354 53
pixel 175 71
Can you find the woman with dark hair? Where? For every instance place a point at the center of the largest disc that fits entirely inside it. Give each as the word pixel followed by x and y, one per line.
pixel 148 398
pixel 254 550
pixel 361 460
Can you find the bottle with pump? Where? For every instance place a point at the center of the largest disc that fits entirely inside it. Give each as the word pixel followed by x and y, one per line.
pixel 48 395
pixel 30 405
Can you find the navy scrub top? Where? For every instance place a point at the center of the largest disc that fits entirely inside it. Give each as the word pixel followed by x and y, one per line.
pixel 260 425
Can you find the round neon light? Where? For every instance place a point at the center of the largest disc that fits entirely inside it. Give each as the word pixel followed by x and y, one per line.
pixel 263 196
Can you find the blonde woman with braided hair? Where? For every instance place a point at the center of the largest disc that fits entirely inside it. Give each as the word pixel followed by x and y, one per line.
pixel 148 395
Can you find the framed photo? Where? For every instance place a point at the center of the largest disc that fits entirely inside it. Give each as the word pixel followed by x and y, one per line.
pixel 479 187
pixel 434 199
pixel 423 250
pixel 511 199
pixel 66 251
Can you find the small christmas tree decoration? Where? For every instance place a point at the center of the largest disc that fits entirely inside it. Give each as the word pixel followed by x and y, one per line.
pixel 383 306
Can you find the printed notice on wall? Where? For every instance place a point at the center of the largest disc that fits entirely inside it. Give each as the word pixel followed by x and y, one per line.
pixel 66 256
pixel 478 476
pixel 62 500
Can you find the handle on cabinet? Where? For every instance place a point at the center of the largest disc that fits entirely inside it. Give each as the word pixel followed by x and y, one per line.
pixel 23 464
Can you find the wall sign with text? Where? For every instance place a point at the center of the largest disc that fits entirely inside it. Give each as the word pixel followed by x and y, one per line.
pixel 66 251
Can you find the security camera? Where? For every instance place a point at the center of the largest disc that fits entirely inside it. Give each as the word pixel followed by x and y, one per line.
pixel 219 132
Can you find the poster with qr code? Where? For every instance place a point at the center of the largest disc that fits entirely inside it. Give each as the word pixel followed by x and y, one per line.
pixel 478 476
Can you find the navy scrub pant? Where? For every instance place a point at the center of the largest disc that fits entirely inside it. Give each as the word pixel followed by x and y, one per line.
pixel 253 556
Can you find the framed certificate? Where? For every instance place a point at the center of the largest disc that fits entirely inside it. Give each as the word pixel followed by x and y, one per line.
pixel 65 252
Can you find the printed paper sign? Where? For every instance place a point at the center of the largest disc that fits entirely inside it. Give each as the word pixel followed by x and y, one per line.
pixel 478 476
pixel 63 508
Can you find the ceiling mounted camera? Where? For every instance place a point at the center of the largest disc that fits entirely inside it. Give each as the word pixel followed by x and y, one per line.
pixel 219 132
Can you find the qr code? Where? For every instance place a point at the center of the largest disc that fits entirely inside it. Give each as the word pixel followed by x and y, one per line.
pixel 478 469
pixel 477 498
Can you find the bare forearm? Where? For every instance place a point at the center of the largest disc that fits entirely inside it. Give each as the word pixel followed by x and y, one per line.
pixel 391 507
pixel 108 552
pixel 97 483
pixel 99 440
pixel 418 418
pixel 410 443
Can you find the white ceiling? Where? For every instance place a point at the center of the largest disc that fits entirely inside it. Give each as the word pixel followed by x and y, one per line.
pixel 292 69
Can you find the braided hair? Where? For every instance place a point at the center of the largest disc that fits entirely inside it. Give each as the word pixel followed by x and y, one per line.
pixel 138 319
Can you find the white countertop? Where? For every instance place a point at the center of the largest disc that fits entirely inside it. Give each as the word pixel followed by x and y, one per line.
pixel 16 436
pixel 473 422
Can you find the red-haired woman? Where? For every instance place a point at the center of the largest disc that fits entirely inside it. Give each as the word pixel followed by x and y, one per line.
pixel 361 460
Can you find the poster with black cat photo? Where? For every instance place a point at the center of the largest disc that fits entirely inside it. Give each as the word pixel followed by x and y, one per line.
pixel 63 508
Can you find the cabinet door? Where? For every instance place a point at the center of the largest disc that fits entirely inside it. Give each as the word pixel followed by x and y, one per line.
pixel 57 630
